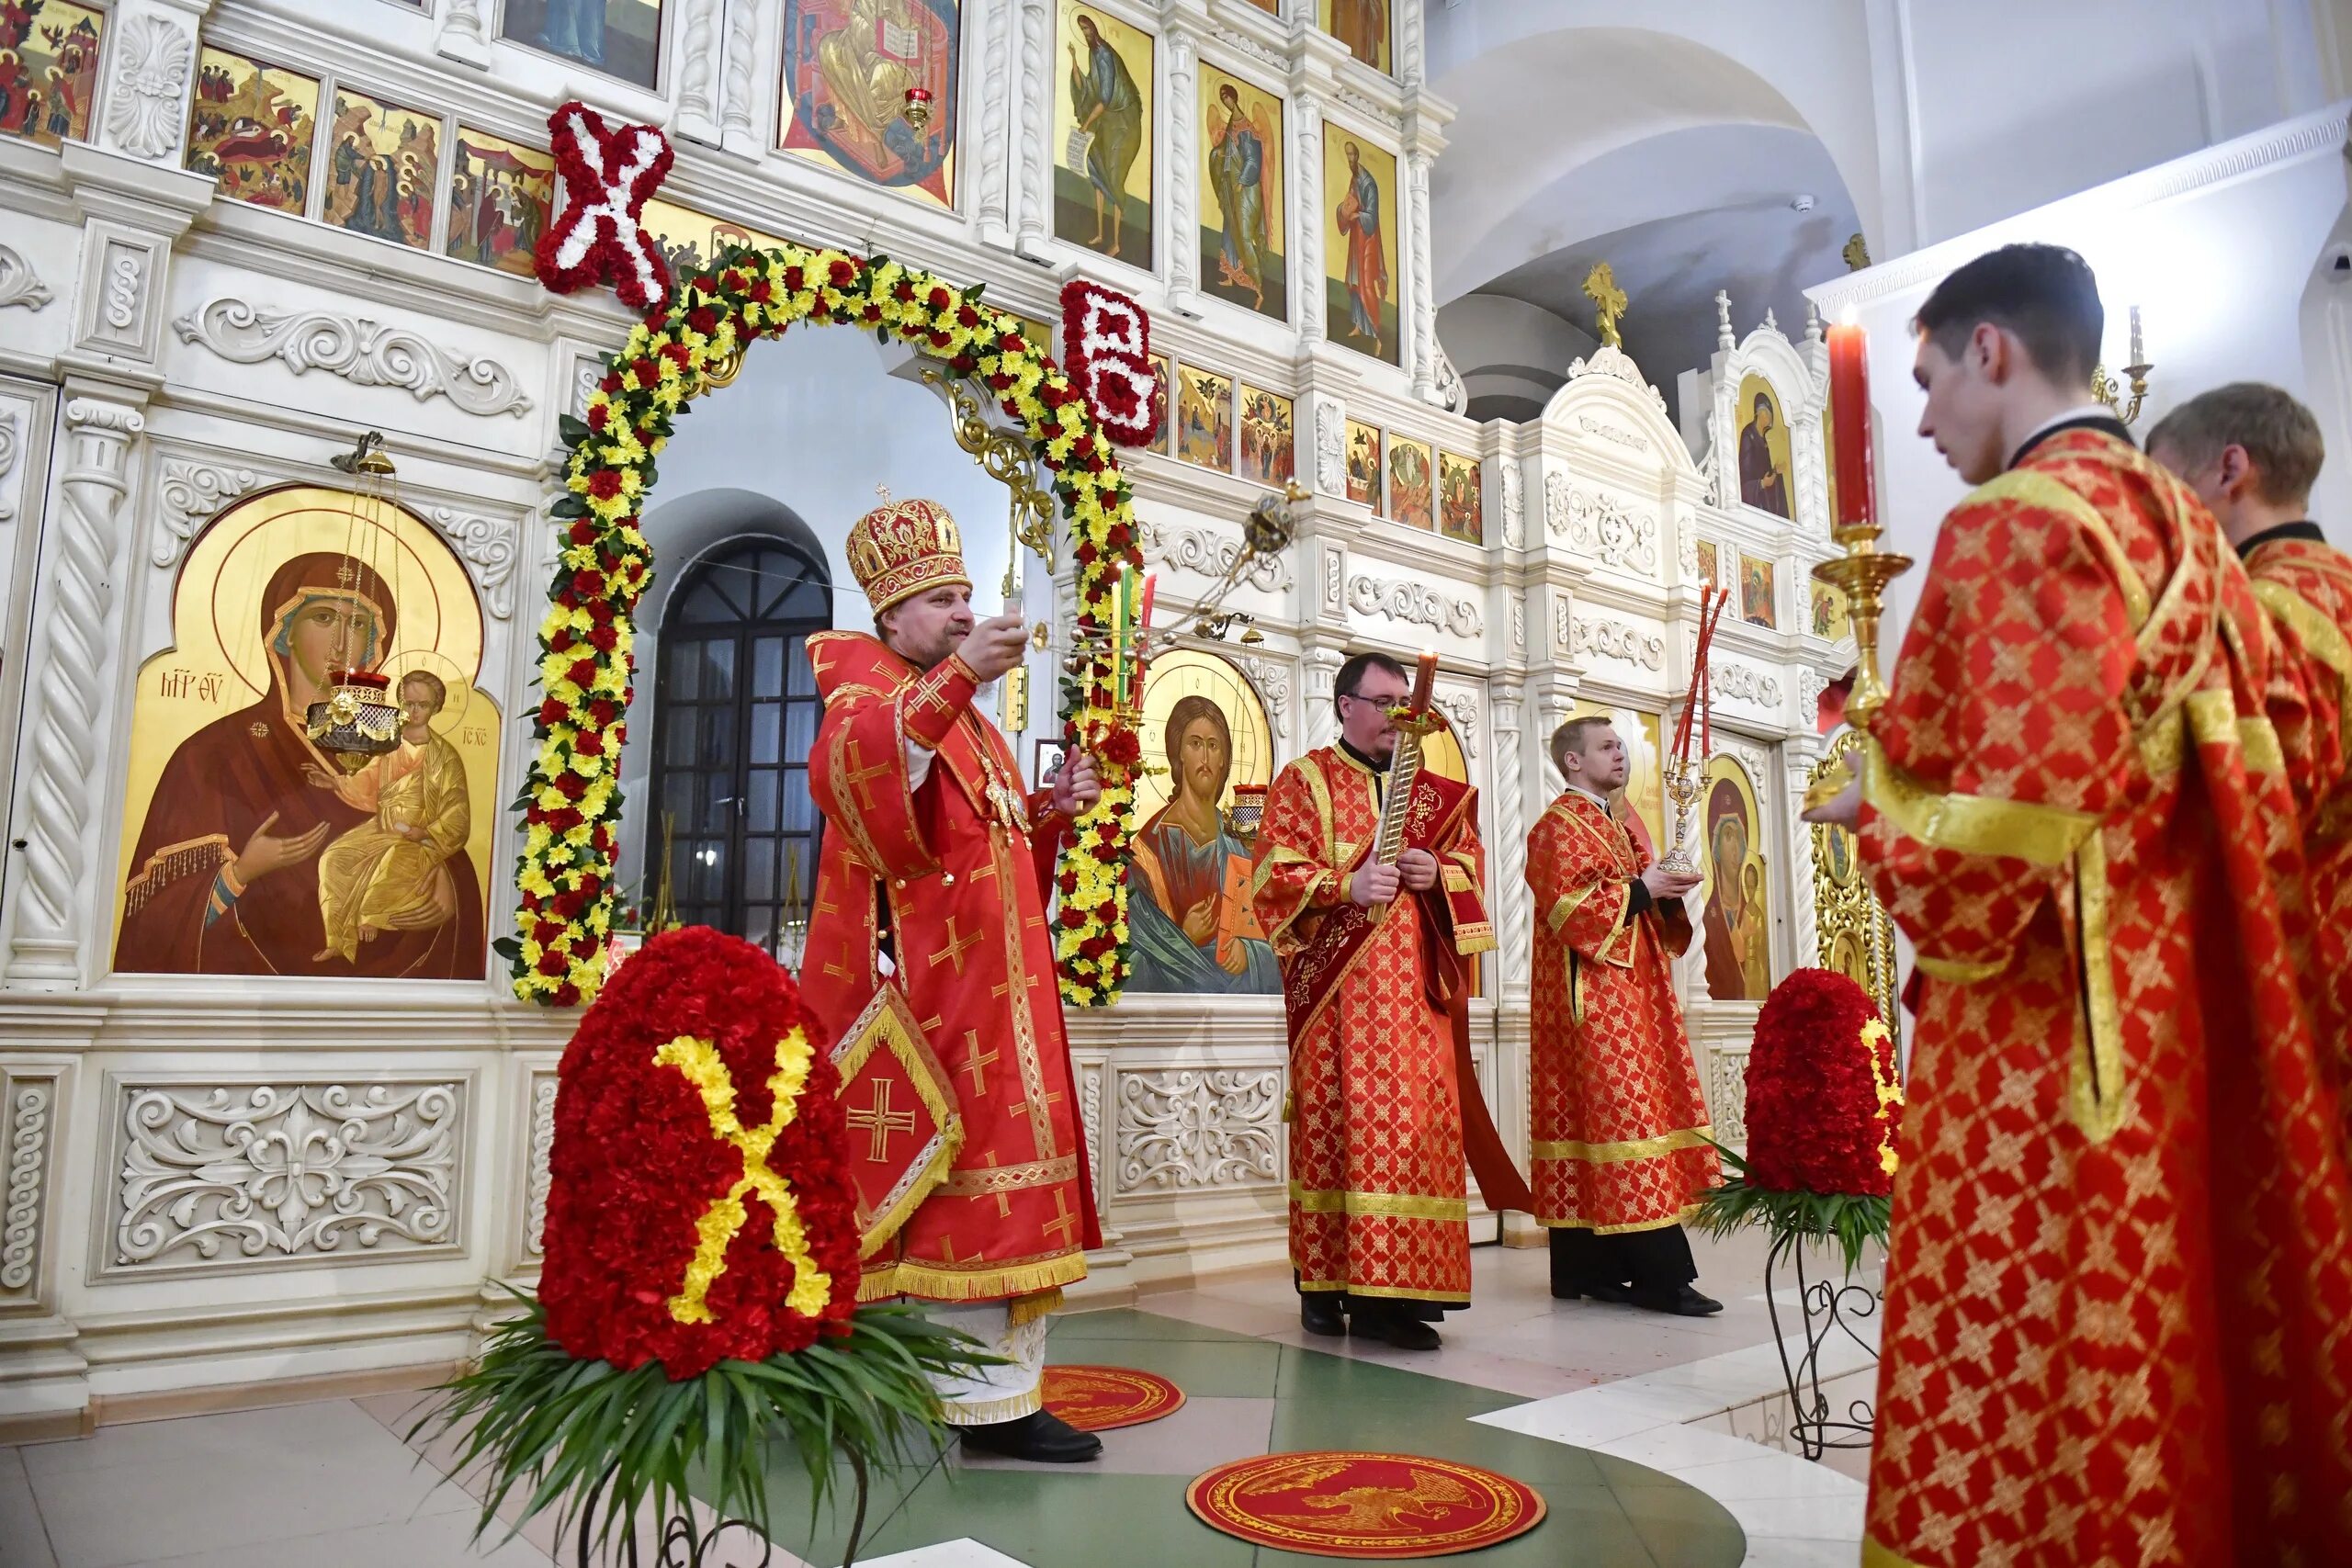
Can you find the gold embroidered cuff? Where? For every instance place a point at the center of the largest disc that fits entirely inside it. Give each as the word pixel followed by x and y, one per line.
pixel 1958 971
pixel 1972 824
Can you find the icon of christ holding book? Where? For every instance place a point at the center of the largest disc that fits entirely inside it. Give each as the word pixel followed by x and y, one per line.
pixel 1193 927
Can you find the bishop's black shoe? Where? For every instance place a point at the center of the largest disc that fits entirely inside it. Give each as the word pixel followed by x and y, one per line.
pixel 1040 1436
pixel 1320 1312
pixel 1682 1302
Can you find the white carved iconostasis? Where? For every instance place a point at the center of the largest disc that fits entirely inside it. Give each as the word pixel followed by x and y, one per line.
pixel 270 227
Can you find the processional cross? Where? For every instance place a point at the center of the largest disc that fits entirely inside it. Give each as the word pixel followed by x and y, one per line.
pixel 1608 301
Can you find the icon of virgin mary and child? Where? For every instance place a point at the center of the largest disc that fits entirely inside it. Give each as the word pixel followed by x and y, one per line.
pixel 1189 913
pixel 259 855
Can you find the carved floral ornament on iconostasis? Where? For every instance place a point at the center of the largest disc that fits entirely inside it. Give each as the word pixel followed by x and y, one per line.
pixel 693 342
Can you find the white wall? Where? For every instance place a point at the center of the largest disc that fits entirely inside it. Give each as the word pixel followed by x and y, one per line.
pixel 2225 251
pixel 1508 348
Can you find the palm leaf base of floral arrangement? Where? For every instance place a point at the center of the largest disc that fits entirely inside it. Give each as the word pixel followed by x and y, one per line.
pixel 1832 1308
pixel 611 1450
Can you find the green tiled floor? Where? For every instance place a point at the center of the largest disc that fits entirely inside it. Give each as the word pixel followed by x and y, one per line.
pixel 1603 1512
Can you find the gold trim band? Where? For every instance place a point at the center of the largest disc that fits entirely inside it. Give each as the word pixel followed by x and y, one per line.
pixel 1380 1205
pixel 1630 1149
pixel 1388 1292
pixel 2094 1090
pixel 1676 1219
pixel 988 1181
pixel 989 1412
pixel 1958 971
pixel 1972 824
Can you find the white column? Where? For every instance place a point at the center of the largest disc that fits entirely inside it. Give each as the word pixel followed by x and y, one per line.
pixel 740 83
pixel 698 55
pixel 1307 216
pixel 1034 99
pixel 998 107
pixel 1506 856
pixel 1320 667
pixel 1420 325
pixel 69 706
pixel 1181 120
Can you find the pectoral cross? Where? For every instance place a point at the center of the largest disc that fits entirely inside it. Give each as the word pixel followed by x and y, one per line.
pixel 860 776
pixel 976 1061
pixel 1063 1220
pixel 956 947
pixel 881 1120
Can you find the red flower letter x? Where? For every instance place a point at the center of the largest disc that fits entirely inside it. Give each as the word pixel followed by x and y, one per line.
pixel 608 173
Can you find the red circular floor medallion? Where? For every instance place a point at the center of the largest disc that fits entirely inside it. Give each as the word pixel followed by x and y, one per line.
pixel 1095 1399
pixel 1333 1504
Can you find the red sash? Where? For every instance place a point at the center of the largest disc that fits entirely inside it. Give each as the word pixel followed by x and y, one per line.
pixel 1315 975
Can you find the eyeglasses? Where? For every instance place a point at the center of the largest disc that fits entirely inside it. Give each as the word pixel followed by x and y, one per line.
pixel 1376 702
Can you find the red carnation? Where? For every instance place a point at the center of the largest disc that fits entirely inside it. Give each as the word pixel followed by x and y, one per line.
pixel 605 638
pixel 598 413
pixel 843 274
pixel 634 1166
pixel 611 385
pixel 552 962
pixel 601 713
pixel 561 642
pixel 703 319
pixel 647 372
pixel 588 744
pixel 567 995
pixel 588 584
pixel 872 313
pixel 761 292
pixel 552 711
pixel 605 483
pixel 545 932
pixel 793 279
pixel 582 673
pixel 733 280
pixel 1815 1121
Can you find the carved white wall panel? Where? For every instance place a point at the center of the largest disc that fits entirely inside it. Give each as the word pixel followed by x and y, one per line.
pixel 188 496
pixel 28 1114
pixel 1378 113
pixel 1322 670
pixel 365 353
pixel 489 545
pixel 1415 604
pixel 1331 464
pixel 1727 1092
pixel 1183 1128
pixel 1518 624
pixel 1618 365
pixel 1621 641
pixel 1600 525
pixel 1514 505
pixel 1632 440
pixel 121 271
pixel 147 97
pixel 277 1173
pixel 1244 43
pixel 1271 680
pixel 67 707
pixel 1091 1076
pixel 538 1150
pixel 19 285
pixel 1209 552
pixel 1731 682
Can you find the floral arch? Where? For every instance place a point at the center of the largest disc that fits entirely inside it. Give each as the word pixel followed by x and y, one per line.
pixel 693 344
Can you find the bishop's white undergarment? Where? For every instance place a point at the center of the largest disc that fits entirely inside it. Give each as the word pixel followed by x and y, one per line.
pixel 984 1394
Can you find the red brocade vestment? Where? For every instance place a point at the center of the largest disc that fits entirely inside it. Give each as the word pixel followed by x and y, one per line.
pixel 1377 1200
pixel 952 862
pixel 2305 585
pixel 2118 1290
pixel 1618 1129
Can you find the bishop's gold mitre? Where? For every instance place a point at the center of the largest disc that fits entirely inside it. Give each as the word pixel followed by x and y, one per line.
pixel 905 548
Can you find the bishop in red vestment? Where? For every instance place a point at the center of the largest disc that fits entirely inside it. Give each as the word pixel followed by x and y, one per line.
pixel 2251 453
pixel 2118 1285
pixel 1618 1129
pixel 1373 958
pixel 932 882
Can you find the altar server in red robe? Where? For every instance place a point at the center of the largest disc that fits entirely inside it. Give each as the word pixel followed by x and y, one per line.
pixel 1373 959
pixel 1618 1129
pixel 2252 454
pixel 928 882
pixel 2118 1279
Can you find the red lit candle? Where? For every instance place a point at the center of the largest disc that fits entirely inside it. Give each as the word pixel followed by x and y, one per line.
pixel 1850 419
pixel 1424 680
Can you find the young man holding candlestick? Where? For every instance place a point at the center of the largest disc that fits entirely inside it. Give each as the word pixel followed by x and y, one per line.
pixel 2251 453
pixel 1619 1135
pixel 2122 1240
pixel 1374 958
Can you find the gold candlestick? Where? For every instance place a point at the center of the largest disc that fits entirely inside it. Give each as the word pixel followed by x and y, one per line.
pixel 1862 574
pixel 1683 788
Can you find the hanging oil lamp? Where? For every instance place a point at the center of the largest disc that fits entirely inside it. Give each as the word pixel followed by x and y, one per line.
pixel 916 112
pixel 358 721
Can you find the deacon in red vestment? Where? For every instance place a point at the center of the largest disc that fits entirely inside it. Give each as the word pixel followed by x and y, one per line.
pixel 932 881
pixel 1375 980
pixel 2119 1281
pixel 2251 453
pixel 1618 1131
